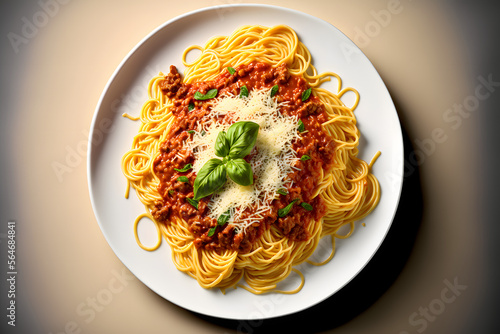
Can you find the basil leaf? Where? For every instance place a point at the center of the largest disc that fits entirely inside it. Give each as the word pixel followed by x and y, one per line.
pixel 274 90
pixel 223 218
pixel 171 192
pixel 209 95
pixel 305 157
pixel 301 127
pixel 221 145
pixel 193 202
pixel 243 91
pixel 203 133
pixel 282 191
pixel 211 231
pixel 306 206
pixel 241 137
pixel 191 131
pixel 191 106
pixel 211 177
pixel 306 94
pixel 182 179
pixel 231 70
pixel 240 171
pixel 184 169
pixel 286 210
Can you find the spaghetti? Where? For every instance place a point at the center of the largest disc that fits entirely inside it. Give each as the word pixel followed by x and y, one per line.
pixel 333 186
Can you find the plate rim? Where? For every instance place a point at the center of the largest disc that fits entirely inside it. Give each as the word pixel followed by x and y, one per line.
pixel 127 58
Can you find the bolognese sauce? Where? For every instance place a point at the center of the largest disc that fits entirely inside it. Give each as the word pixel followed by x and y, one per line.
pixel 176 183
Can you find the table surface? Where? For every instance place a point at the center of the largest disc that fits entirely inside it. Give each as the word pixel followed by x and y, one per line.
pixel 434 273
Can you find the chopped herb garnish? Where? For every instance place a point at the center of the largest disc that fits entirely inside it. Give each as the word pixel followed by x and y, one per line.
pixel 282 191
pixel 203 132
pixel 223 218
pixel 301 127
pixel 191 106
pixel 286 210
pixel 274 90
pixel 211 231
pixel 243 91
pixel 231 70
pixel 191 132
pixel 306 206
pixel 184 169
pixel 209 95
pixel 306 94
pixel 171 192
pixel 192 202
pixel 305 157
pixel 182 179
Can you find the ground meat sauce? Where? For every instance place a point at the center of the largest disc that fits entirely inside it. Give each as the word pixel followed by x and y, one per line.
pixel 315 143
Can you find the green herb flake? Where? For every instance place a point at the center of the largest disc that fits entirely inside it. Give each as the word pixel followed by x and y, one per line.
pixel 182 179
pixel 282 191
pixel 306 94
pixel 231 70
pixel 274 90
pixel 191 132
pixel 301 127
pixel 209 95
pixel 306 206
pixel 193 202
pixel 243 91
pixel 286 210
pixel 203 133
pixel 211 231
pixel 184 169
pixel 191 106
pixel 223 218
pixel 171 192
pixel 305 158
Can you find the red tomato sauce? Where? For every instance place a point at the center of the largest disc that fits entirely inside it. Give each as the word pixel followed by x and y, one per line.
pixel 315 143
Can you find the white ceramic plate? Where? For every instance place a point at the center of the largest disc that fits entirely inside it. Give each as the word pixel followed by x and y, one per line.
pixel 111 136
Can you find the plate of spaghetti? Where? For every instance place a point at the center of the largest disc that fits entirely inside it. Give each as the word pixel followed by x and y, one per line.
pixel 245 161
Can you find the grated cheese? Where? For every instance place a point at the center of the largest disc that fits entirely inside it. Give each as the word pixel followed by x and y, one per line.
pixel 274 159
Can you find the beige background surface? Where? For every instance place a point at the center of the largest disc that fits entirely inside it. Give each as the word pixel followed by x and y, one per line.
pixel 51 88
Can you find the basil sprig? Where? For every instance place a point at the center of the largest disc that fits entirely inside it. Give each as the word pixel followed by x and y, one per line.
pixel 182 179
pixel 306 206
pixel 232 146
pixel 209 95
pixel 184 169
pixel 301 127
pixel 211 177
pixel 231 70
pixel 274 90
pixel 282 191
pixel 243 91
pixel 306 94
pixel 286 210
pixel 242 137
pixel 223 218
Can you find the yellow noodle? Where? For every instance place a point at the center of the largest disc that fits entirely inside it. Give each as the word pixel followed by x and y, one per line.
pixel 349 190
